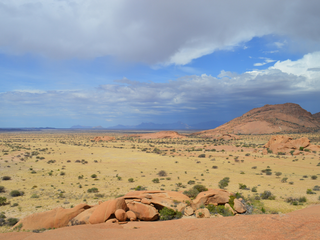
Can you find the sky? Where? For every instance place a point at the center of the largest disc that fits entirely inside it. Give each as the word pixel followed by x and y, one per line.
pixel 104 63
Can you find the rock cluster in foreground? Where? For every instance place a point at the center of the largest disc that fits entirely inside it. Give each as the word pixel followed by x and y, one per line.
pixel 137 205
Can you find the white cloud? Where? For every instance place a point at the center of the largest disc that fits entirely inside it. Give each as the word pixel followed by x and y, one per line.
pixel 284 81
pixel 266 60
pixel 153 32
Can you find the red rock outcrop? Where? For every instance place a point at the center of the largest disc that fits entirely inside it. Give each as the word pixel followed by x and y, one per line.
pixel 106 209
pixel 288 117
pixel 213 196
pixel 104 138
pixel 158 135
pixel 55 218
pixel 142 205
pixel 143 212
pixel 160 199
pixel 238 206
pixel 286 144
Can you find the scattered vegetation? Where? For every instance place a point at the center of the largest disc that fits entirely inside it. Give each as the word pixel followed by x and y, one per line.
pixel 169 214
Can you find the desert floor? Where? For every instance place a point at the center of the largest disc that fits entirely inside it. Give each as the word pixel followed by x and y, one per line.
pixel 56 168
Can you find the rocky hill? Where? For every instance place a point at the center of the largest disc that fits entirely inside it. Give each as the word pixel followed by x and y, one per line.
pixel 317 116
pixel 279 118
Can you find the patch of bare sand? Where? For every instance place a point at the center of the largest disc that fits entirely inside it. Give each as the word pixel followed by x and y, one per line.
pixel 301 224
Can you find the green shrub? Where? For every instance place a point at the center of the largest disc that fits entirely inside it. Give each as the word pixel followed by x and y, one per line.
pixel 284 180
pixel 200 188
pixel 93 190
pixel 12 221
pixel 316 188
pixel 62 173
pixel 202 155
pixel 130 180
pixel 168 214
pixel 34 196
pixel 314 177
pixel 267 195
pixel 220 209
pixel 309 191
pixel 155 180
pixel 278 174
pixel 301 148
pixel 3 201
pixel 94 176
pixel 16 193
pixel 224 182
pixel 254 189
pixel 242 186
pixel 191 193
pixel 2 190
pixel 191 182
pixel 6 178
pixel 140 188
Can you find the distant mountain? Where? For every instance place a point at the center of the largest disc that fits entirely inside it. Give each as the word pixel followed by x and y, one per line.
pixel 169 126
pixel 269 119
pixel 24 129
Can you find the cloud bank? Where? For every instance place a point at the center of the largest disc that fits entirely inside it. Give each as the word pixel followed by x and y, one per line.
pixel 194 95
pixel 151 32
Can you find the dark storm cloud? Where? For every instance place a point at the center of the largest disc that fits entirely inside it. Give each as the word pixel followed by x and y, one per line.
pixel 153 32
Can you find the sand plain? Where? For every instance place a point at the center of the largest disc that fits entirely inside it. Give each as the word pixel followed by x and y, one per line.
pixel 56 168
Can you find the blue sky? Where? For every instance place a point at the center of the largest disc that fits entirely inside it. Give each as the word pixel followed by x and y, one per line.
pixel 92 63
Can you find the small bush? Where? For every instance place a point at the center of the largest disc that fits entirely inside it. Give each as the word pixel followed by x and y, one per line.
pixel 94 176
pixel 169 214
pixel 62 173
pixel 267 195
pixel 309 191
pixel 314 177
pixel 6 178
pixel 130 180
pixel 220 209
pixel 316 188
pixel 3 201
pixel 284 180
pixel 12 221
pixel 278 174
pixel 92 190
pixel 162 173
pixel 191 193
pixel 254 189
pixel 155 180
pixel 140 188
pixel 191 182
pixel 200 188
pixel 301 148
pixel 215 167
pixel 202 155
pixel 242 186
pixel 34 196
pixel 16 193
pixel 2 189
pixel 224 182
